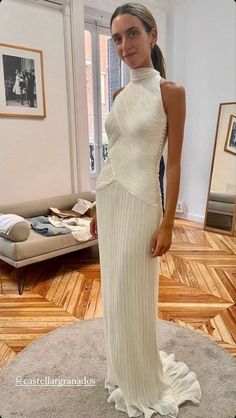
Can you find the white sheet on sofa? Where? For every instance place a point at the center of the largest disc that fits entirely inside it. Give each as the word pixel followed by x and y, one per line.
pixel 80 227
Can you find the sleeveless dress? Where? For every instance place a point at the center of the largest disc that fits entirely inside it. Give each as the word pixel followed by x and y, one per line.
pixel 140 379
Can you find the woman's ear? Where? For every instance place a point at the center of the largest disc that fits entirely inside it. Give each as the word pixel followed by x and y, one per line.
pixel 154 35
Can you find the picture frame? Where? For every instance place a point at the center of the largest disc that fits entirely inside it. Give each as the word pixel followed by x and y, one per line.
pixel 21 82
pixel 230 142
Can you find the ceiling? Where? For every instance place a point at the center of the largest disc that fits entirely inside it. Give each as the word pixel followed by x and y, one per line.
pixel 59 2
pixel 56 1
pixel 161 3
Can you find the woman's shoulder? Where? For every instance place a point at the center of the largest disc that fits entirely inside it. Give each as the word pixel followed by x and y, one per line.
pixel 170 87
pixel 171 92
pixel 115 93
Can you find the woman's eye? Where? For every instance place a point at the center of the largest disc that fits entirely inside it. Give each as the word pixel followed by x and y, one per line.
pixel 131 34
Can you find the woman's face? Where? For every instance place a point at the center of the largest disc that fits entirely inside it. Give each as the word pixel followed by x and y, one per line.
pixel 132 42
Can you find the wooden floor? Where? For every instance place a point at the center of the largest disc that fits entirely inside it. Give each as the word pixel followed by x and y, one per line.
pixel 197 291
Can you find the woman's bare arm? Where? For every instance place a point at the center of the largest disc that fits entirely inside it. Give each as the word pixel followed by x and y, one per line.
pixel 175 105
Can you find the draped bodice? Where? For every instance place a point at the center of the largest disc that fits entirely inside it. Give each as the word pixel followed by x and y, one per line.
pixel 136 128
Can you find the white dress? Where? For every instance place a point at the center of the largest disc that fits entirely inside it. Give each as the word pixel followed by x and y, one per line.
pixel 16 88
pixel 140 378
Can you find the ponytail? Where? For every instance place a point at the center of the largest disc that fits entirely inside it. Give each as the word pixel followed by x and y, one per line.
pixel 158 60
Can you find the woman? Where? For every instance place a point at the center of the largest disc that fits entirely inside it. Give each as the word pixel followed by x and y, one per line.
pixel 130 225
pixel 16 88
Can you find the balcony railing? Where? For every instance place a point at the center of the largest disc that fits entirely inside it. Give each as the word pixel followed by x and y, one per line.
pixel 92 156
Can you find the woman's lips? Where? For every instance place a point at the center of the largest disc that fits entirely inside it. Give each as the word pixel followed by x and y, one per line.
pixel 130 55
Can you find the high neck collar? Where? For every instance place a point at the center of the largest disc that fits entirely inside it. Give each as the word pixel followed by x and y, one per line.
pixel 142 73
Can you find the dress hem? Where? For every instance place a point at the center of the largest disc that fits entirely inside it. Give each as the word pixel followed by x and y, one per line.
pixel 183 386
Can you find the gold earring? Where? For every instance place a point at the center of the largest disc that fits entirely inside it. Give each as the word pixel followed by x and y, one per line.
pixel 153 45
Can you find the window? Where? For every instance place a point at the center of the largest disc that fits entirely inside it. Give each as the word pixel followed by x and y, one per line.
pixel 103 77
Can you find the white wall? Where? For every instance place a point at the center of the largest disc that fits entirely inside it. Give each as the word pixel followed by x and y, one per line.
pixel 201 38
pixel 34 153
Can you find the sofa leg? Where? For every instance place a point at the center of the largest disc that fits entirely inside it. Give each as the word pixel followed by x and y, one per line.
pixel 20 280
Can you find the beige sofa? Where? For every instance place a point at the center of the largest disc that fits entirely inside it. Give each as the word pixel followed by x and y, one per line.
pixel 38 247
pixel 220 210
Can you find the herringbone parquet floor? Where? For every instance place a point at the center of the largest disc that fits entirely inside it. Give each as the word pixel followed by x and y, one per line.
pixel 197 290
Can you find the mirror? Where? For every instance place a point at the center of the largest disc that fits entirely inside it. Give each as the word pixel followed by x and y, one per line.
pixel 220 214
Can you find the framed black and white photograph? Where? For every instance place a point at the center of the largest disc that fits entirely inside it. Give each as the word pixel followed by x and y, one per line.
pixel 21 82
pixel 230 143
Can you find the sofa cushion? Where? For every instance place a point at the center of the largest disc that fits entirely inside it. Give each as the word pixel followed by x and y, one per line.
pixel 14 227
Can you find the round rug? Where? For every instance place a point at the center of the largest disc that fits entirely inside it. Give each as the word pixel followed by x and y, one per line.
pixel 76 353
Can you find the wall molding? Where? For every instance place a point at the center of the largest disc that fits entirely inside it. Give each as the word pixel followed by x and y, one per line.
pixel 78 92
pixel 70 100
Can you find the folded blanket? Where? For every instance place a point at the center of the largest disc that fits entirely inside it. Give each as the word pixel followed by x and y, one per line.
pixel 42 225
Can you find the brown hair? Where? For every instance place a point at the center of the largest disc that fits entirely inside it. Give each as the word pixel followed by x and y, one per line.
pixel 148 21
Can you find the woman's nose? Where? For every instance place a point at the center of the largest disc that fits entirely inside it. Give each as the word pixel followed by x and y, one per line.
pixel 124 43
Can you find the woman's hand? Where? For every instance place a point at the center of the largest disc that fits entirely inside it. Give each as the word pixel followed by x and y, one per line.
pixel 93 227
pixel 161 240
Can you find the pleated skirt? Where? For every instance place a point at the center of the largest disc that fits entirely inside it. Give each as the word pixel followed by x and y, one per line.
pixel 140 379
